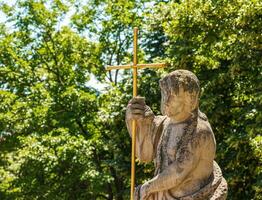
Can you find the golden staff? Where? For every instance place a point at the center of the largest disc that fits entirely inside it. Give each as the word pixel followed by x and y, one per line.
pixel 135 66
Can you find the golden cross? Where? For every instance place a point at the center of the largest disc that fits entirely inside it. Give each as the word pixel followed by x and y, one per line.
pixel 135 66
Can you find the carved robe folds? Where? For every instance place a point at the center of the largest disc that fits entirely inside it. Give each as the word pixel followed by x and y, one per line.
pixel 183 155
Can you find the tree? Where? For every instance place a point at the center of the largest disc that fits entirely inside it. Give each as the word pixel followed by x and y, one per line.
pixel 47 112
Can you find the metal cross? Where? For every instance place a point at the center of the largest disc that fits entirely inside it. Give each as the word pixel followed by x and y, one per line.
pixel 135 66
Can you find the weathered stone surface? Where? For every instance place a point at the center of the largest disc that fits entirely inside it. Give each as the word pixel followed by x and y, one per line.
pixel 181 143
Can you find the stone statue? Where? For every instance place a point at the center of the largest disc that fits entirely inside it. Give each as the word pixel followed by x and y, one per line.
pixel 181 143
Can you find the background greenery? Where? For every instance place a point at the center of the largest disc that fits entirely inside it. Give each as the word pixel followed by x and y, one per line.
pixel 60 138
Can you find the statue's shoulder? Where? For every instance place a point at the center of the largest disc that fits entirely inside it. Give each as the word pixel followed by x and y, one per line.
pixel 203 127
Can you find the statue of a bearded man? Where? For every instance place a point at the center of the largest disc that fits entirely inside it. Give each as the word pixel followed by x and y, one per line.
pixel 181 143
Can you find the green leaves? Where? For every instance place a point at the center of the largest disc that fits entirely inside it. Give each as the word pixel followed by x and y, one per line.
pixel 56 165
pixel 47 108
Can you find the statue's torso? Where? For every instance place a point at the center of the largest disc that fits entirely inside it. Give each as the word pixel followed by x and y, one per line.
pixel 169 143
pixel 167 146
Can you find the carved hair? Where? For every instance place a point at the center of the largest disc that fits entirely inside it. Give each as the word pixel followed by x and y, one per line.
pixel 180 78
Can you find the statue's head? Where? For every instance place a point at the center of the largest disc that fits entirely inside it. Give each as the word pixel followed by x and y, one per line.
pixel 180 94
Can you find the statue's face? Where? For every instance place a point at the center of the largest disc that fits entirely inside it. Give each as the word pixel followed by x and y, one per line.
pixel 171 104
pixel 177 106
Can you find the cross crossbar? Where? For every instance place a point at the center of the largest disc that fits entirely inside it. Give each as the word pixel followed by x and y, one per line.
pixel 139 66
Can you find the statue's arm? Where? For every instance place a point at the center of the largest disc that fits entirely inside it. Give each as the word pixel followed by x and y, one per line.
pixel 147 128
pixel 186 160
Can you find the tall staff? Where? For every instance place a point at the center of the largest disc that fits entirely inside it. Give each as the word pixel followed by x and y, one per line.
pixel 135 66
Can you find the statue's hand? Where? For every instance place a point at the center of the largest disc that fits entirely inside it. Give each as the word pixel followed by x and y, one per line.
pixel 137 109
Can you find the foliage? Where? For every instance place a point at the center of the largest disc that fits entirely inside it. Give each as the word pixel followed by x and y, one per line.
pixel 44 69
pixel 44 72
pixel 62 139
pixel 54 166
